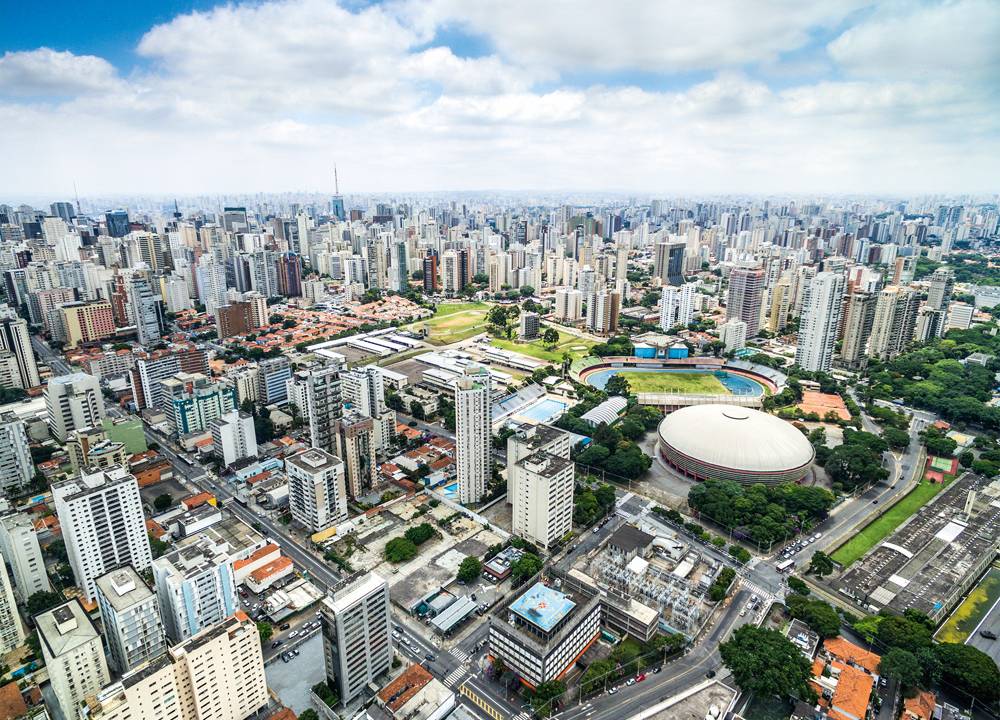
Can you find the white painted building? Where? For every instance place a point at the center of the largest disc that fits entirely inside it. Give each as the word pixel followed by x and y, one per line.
pixel 473 404
pixel 317 492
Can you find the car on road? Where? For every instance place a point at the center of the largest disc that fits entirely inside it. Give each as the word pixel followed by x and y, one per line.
pixel 630 682
pixel 275 644
pixel 285 657
pixel 710 674
pixel 284 626
pixel 988 634
pixel 395 635
pixel 656 670
pixel 612 691
pixel 293 633
pixel 640 677
pixel 429 656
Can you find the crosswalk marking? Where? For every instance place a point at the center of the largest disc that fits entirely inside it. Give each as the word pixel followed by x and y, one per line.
pixel 523 716
pixel 454 676
pixel 459 654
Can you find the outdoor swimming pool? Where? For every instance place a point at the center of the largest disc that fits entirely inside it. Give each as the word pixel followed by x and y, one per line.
pixel 735 384
pixel 544 410
pixel 450 491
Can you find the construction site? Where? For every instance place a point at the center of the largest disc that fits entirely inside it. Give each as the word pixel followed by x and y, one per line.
pixel 667 576
pixel 931 560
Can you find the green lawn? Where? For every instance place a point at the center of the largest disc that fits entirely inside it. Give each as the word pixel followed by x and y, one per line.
pixel 575 346
pixel 973 609
pixel 453 322
pixel 129 432
pixel 882 527
pixel 682 383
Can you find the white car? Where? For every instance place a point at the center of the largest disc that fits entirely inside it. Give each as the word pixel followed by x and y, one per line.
pixel 395 635
pixel 293 633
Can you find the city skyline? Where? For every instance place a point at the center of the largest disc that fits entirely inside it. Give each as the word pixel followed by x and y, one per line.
pixel 196 98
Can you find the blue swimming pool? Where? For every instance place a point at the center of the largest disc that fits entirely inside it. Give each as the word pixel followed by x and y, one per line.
pixel 544 410
pixel 736 384
pixel 450 491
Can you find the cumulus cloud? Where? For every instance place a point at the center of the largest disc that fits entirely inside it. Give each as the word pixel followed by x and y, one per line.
pixel 263 96
pixel 48 73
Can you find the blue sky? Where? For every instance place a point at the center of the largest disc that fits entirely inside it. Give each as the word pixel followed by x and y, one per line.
pixel 669 97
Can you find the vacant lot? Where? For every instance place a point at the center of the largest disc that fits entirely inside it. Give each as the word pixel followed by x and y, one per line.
pixel 453 322
pixel 669 382
pixel 879 529
pixel 575 346
pixel 972 610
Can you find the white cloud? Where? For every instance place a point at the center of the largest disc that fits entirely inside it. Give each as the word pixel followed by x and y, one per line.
pixel 47 73
pixel 952 40
pixel 264 96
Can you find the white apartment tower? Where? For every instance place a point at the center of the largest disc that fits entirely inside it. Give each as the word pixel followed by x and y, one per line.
pixel 317 492
pixel 473 406
pixel 233 437
pixel 569 305
pixel 195 588
pixel 131 619
pixel 734 334
pixel 11 630
pixel 73 402
pixel 364 389
pixel 16 466
pixel 357 644
pixel 820 320
pixel 676 306
pixel 316 391
pixel 19 545
pixel 216 675
pixel 102 524
pixel 894 321
pixel 540 479
pixel 73 654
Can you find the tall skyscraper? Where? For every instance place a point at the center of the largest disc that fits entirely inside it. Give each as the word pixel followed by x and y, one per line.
pixel 364 390
pixel 569 305
pixel 15 339
pixel 11 630
pixel 316 390
pixel 942 283
pixel 317 492
pixel 103 525
pixel 603 308
pixel 858 317
pixel 16 466
pixel 668 262
pixel 145 311
pixel 73 402
pixel 540 480
pixel 746 289
pixel 473 406
pixel 820 321
pixel 130 618
pixel 216 675
pixel 356 438
pixel 676 306
pixel 289 275
pixel 357 642
pixel 73 654
pixel 430 272
pixel 195 588
pixel 894 321
pixel 19 546
pixel 117 223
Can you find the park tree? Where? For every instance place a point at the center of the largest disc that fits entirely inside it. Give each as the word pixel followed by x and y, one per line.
pixel 617 385
pixel 820 565
pixel 901 665
pixel 550 336
pixel 764 662
pixel 818 615
pixel 162 502
pixel 969 669
pixel 906 632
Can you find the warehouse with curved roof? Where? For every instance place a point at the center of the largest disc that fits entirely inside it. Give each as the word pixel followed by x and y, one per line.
pixel 727 442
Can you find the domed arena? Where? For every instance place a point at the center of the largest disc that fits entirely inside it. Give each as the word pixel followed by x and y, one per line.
pixel 727 442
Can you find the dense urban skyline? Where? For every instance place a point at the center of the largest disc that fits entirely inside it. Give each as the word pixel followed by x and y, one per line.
pixel 195 98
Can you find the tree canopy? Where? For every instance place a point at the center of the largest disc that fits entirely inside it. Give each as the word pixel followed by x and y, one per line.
pixel 765 662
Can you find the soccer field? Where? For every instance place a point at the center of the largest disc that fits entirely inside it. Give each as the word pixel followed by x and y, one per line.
pixel 575 346
pixel 674 382
pixel 453 322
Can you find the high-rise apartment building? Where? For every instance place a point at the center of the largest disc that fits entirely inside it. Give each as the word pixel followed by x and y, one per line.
pixel 357 641
pixel 16 466
pixel 11 630
pixel 216 675
pixel 668 262
pixel 356 438
pixel 569 305
pixel 73 402
pixel 316 391
pixel 781 298
pixel 603 308
pixel 102 523
pixel 19 546
pixel 130 618
pixel 233 319
pixel 90 448
pixel 317 493
pixel 73 654
pixel 194 401
pixel 87 322
pixel 893 323
pixel 540 480
pixel 364 390
pixel 15 339
pixel 473 406
pixel 234 437
pixel 746 289
pixel 272 378
pixel 676 306
pixel 959 316
pixel 859 315
pixel 733 333
pixel 820 321
pixel 942 283
pixel 195 588
pixel 145 311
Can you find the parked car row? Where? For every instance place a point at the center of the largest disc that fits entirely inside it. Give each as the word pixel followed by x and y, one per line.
pixel 800 545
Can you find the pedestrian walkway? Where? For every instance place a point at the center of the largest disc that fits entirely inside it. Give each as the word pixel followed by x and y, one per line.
pixel 455 676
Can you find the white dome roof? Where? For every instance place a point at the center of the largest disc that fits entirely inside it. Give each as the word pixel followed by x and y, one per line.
pixel 737 438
